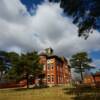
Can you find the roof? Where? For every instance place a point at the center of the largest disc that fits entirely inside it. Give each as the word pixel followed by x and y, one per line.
pixel 54 56
pixel 62 59
pixel 43 54
pixel 97 74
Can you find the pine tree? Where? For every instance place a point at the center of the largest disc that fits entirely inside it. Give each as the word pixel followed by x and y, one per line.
pixel 80 62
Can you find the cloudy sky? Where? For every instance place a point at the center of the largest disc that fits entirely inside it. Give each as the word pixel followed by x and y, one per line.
pixel 36 24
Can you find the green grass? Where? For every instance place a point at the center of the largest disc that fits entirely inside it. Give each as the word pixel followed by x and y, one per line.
pixel 53 93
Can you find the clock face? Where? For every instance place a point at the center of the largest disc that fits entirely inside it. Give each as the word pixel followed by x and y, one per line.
pixel 50 61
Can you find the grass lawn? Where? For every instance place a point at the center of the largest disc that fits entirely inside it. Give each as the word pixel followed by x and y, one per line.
pixel 52 93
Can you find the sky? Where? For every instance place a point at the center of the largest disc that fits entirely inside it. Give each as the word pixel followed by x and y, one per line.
pixel 27 25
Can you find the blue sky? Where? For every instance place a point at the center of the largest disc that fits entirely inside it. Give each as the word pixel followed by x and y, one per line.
pixel 20 31
pixel 95 55
pixel 29 3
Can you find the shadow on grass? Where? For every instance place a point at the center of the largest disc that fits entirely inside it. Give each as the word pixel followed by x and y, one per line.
pixel 87 97
pixel 85 93
pixel 22 89
pixel 25 89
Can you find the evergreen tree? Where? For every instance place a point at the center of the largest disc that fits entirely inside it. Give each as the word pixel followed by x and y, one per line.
pixel 14 70
pixel 3 64
pixel 2 69
pixel 81 62
pixel 86 14
pixel 24 66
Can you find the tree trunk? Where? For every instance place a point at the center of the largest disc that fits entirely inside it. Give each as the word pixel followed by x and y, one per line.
pixel 27 78
pixel 1 74
pixel 81 73
pixel 94 79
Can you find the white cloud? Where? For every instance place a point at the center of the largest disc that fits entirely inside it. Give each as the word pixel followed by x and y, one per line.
pixel 96 62
pixel 20 31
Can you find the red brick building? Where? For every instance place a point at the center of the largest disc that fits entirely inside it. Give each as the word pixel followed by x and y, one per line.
pixel 56 69
pixel 93 79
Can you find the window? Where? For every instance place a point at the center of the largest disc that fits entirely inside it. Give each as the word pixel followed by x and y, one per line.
pixel 52 78
pixel 48 78
pixel 60 69
pixel 61 79
pixel 57 67
pixel 44 67
pixel 52 65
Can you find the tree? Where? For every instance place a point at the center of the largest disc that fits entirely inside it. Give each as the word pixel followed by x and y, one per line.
pixel 3 64
pixel 24 66
pixel 85 13
pixel 80 62
pixel 2 69
pixel 14 70
pixel 30 64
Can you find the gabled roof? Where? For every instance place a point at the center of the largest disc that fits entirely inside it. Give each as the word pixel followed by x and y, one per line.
pixel 43 54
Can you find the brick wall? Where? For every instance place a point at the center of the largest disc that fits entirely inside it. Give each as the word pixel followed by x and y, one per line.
pixel 13 84
pixel 56 71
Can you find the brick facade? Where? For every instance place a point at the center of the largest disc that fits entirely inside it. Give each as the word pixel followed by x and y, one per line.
pixel 92 79
pixel 56 69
